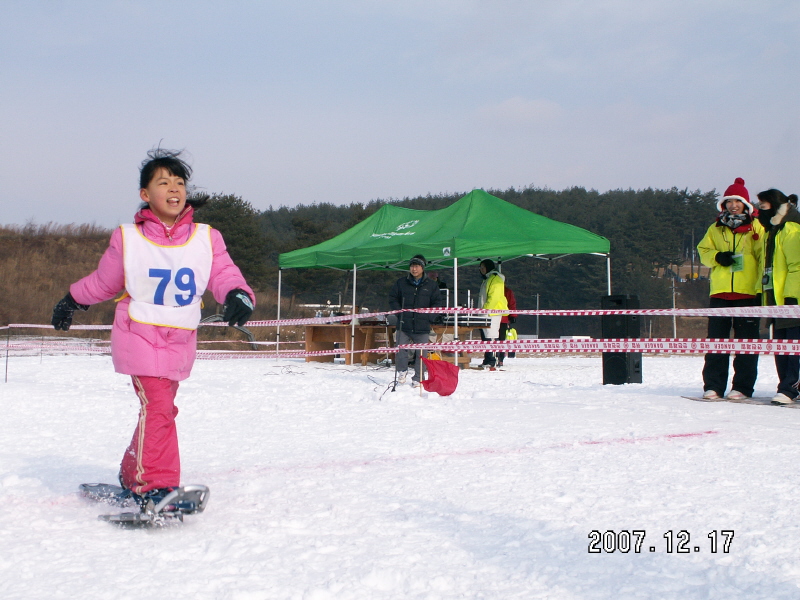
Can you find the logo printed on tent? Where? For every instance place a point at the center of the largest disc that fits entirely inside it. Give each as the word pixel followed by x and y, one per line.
pixel 398 230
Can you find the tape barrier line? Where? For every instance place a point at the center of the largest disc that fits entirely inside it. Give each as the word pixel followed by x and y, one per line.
pixel 788 312
pixel 63 349
pixel 740 311
pixel 248 342
pixel 209 355
pixel 650 346
pixel 201 354
pixel 660 345
pixel 548 346
pixel 544 346
pixel 73 327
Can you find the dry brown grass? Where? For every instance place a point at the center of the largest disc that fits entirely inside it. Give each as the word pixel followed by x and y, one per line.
pixel 37 265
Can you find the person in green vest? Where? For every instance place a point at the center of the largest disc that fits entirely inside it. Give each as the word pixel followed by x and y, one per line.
pixel 492 296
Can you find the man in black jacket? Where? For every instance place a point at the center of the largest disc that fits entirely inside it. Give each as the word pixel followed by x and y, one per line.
pixel 413 291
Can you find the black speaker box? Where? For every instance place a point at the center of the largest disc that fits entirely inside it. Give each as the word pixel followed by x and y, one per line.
pixel 620 326
pixel 621 367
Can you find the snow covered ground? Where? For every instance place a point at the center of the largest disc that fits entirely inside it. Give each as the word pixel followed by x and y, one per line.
pixel 323 486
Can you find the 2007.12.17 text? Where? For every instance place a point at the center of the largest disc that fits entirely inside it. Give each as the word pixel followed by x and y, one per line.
pixel 625 541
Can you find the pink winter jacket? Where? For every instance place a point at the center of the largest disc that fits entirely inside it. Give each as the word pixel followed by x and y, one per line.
pixel 149 350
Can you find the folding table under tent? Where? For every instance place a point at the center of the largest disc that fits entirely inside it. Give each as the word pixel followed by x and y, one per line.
pixel 473 228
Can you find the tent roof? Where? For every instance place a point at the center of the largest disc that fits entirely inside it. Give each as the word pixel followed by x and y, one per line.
pixel 475 227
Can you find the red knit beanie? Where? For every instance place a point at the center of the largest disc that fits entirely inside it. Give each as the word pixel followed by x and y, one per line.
pixel 738 192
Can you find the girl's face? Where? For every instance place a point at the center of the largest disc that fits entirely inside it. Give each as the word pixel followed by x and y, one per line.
pixel 166 195
pixel 734 206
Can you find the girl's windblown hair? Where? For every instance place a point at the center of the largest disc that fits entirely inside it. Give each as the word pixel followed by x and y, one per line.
pixel 161 158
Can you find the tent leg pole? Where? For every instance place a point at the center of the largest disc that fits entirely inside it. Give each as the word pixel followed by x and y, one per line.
pixel 353 319
pixel 278 331
pixel 455 305
pixel 608 271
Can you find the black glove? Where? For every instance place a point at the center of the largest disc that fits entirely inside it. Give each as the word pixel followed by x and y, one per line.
pixel 724 258
pixel 238 308
pixel 438 319
pixel 62 312
pixel 512 319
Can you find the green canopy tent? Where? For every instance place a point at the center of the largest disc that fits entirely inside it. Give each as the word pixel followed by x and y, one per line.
pixel 475 227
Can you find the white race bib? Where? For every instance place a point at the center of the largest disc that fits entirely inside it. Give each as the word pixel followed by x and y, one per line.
pixel 166 283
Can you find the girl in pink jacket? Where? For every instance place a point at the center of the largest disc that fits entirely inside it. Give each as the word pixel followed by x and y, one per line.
pixel 163 262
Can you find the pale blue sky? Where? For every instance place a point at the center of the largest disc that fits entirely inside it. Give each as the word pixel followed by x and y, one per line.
pixel 348 101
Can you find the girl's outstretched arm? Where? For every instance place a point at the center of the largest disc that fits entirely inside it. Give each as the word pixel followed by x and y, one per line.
pixel 105 282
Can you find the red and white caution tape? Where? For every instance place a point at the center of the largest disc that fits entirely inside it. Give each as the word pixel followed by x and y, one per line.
pixel 39 326
pixel 548 346
pixel 660 345
pixel 209 355
pixel 543 346
pixel 61 348
pixel 657 345
pixel 787 312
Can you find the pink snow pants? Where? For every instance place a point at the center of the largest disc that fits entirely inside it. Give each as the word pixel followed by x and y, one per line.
pixel 152 459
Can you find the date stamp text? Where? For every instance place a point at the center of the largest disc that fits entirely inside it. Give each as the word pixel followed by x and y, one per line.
pixel 636 541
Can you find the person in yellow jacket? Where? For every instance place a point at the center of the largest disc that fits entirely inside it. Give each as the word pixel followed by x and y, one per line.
pixel 492 296
pixel 781 281
pixel 732 248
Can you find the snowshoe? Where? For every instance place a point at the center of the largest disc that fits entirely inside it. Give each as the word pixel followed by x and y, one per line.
pixel 157 507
